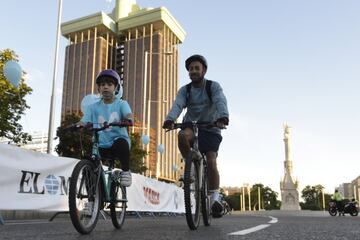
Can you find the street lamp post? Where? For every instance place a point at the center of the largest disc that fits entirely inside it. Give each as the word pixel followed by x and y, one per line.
pixel 248 188
pixel 243 199
pixel 259 198
pixel 149 101
pixel 323 199
pixel 240 202
pixel 52 101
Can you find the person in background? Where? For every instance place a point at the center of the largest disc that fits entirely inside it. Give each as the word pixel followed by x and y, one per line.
pixel 337 197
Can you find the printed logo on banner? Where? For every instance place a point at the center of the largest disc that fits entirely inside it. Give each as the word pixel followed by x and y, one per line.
pixel 151 195
pixel 54 185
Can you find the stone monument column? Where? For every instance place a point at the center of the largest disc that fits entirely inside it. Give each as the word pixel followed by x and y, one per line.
pixel 289 191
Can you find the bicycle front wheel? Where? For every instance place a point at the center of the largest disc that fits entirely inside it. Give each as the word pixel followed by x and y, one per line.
pixel 84 197
pixel 192 193
pixel 205 200
pixel 118 204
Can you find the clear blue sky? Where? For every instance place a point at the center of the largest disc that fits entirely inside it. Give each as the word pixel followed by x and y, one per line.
pixel 278 61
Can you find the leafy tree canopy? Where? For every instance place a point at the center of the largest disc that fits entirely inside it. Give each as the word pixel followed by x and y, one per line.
pixel 312 196
pixel 12 103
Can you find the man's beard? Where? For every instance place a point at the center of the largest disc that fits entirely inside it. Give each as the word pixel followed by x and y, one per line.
pixel 196 77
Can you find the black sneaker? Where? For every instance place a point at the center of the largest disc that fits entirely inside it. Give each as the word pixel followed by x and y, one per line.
pixel 217 210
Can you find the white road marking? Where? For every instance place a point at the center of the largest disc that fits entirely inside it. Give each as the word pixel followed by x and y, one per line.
pixel 256 228
pixel 273 220
pixel 250 230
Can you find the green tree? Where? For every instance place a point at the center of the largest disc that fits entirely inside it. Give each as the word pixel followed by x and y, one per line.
pixel 312 196
pixel 268 197
pixel 12 103
pixel 70 145
pixel 69 141
pixel 137 154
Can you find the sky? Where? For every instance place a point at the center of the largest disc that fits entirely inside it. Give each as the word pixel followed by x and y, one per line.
pixel 277 61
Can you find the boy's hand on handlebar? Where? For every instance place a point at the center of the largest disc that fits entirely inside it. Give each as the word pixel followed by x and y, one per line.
pixel 168 124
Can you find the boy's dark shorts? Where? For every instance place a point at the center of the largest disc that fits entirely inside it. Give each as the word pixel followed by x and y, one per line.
pixel 209 141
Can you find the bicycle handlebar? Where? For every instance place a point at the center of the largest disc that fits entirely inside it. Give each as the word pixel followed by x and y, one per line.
pixel 200 124
pixel 89 125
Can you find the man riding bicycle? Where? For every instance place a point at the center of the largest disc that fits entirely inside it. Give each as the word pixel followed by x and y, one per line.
pixel 113 142
pixel 205 101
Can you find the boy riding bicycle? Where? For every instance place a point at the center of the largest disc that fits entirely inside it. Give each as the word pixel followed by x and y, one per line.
pixel 205 101
pixel 113 142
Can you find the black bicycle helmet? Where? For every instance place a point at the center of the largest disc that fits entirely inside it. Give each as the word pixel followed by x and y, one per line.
pixel 193 58
pixel 110 73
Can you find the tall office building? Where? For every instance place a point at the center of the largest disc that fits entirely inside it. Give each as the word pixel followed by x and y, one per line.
pixel 141 45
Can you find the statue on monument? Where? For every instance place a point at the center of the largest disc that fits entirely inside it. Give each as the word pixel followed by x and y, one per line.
pixel 287 141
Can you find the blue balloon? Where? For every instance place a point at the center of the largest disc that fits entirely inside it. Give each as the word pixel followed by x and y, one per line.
pixel 145 139
pixel 161 148
pixel 13 72
pixel 88 100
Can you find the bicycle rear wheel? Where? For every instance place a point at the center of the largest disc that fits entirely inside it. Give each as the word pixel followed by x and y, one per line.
pixel 205 200
pixel 118 204
pixel 84 197
pixel 192 193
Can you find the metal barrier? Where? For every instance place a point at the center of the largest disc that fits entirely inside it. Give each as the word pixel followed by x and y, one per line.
pixel 2 222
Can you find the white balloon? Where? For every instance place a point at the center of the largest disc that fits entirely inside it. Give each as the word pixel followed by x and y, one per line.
pixel 89 100
pixel 174 167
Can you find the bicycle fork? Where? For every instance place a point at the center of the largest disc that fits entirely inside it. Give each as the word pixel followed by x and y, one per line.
pixel 199 159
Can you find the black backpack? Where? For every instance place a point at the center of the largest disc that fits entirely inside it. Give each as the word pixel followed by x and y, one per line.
pixel 207 88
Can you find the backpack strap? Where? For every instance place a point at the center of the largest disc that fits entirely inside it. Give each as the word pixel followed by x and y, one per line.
pixel 188 90
pixel 207 88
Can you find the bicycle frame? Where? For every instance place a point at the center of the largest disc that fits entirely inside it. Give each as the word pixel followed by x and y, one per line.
pixel 198 192
pixel 85 185
pixel 96 158
pixel 201 157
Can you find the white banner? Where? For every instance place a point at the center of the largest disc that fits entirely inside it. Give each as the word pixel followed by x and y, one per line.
pixel 36 181
pixel 147 194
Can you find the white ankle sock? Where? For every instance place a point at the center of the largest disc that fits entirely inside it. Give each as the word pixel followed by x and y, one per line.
pixel 214 194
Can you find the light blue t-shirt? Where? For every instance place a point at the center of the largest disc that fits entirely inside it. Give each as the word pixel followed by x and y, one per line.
pixel 100 112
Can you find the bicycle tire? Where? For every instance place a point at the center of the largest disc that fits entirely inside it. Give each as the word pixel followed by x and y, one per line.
pixel 205 200
pixel 83 190
pixel 118 204
pixel 192 193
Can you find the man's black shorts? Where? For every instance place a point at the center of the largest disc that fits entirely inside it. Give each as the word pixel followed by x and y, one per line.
pixel 209 141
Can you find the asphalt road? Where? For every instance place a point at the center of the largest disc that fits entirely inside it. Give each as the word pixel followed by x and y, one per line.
pixel 257 225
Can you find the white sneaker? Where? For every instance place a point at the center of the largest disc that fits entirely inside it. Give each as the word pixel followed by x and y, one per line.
pixel 125 178
pixel 217 209
pixel 216 205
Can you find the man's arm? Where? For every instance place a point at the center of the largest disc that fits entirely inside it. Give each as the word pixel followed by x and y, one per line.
pixel 220 102
pixel 178 105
